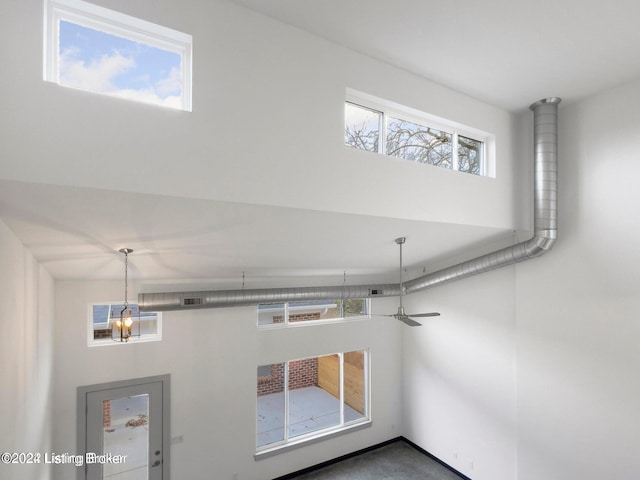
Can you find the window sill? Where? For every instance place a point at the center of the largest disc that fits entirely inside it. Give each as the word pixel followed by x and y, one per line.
pixel 109 341
pixel 310 323
pixel 308 440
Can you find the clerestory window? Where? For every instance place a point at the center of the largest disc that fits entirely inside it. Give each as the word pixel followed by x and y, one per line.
pixel 102 315
pixel 289 313
pixel 378 126
pixel 103 51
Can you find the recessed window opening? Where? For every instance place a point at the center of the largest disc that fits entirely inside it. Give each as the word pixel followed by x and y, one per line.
pixel 378 126
pixel 99 327
pixel 102 51
pixel 305 312
pixel 307 398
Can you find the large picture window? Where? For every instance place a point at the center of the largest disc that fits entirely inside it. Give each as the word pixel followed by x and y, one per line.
pixel 303 399
pixel 376 127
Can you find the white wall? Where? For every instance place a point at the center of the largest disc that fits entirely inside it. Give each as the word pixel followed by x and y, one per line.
pixel 26 357
pixel 532 371
pixel 287 89
pixel 459 375
pixel 212 357
pixel 267 125
pixel 577 308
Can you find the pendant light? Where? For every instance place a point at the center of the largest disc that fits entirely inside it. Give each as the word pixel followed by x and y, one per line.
pixel 124 325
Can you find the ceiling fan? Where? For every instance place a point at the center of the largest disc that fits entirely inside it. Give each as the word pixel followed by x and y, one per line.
pixel 401 315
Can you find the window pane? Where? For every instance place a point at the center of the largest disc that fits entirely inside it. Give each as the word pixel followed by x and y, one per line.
pixel 361 127
pixel 418 143
pixel 314 310
pixel 354 388
pixel 100 62
pixel 270 404
pixel 314 394
pixel 470 155
pixel 354 307
pixel 126 432
pixel 270 313
pixel 148 322
pixel 101 316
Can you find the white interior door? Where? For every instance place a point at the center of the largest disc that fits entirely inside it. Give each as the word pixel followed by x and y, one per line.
pixel 125 431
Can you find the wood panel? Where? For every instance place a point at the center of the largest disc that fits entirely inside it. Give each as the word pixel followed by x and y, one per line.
pixel 329 374
pixel 354 387
pixel 329 378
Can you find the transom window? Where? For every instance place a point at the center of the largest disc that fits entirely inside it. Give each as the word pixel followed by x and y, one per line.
pixel 375 127
pixel 101 316
pixel 102 51
pixel 309 311
pixel 307 398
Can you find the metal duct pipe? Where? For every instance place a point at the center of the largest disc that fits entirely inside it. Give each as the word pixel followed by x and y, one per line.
pixel 545 139
pixel 545 228
pixel 236 298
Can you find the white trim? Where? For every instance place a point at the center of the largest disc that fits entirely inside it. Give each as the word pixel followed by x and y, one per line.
pixel 118 24
pixel 287 442
pixel 341 385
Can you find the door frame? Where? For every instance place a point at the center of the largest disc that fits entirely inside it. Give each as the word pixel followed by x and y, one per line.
pixel 81 405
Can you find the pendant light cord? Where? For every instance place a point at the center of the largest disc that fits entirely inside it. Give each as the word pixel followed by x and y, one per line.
pixel 126 278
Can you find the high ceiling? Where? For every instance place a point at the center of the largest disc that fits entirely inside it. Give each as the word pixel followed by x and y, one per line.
pixel 73 231
pixel 506 52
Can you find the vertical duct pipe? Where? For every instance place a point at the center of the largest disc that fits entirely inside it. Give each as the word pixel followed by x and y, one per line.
pixel 545 139
pixel 545 229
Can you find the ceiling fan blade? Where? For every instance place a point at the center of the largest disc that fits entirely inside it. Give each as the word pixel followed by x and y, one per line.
pixel 406 320
pixel 401 315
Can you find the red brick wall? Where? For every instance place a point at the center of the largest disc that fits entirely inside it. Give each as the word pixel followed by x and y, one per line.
pixel 101 333
pixel 300 317
pixel 106 413
pixel 273 383
pixel 302 373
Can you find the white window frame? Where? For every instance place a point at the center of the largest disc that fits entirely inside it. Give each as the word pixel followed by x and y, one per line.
pixel 101 342
pixel 344 427
pixel 395 110
pixel 286 310
pixel 118 24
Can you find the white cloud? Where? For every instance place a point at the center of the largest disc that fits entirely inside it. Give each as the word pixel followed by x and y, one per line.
pixel 99 74
pixel 149 96
pixel 172 84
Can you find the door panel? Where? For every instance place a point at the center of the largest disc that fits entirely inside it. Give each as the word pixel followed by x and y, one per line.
pixel 124 429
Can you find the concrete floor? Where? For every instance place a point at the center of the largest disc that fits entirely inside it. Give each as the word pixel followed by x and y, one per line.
pixel 310 409
pixel 395 461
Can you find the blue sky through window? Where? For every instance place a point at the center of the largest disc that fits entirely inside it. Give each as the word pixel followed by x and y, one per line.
pixel 104 63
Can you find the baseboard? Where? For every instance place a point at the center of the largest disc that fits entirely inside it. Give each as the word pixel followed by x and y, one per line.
pixel 434 458
pixel 290 476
